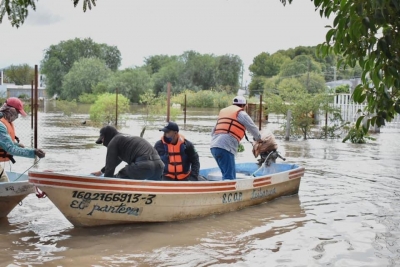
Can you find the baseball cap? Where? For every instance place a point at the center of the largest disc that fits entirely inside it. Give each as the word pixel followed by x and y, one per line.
pixel 171 126
pixel 17 104
pixel 239 100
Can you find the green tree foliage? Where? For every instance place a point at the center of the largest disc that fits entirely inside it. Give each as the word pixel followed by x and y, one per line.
pixel 367 32
pixel 131 82
pixel 267 65
pixel 83 76
pixel 168 73
pixel 59 59
pixel 103 110
pixel 199 71
pixel 228 71
pixel 194 71
pixel 299 65
pixel 342 89
pixel 153 64
pixel 313 82
pixel 20 74
pixel 17 11
pixel 257 85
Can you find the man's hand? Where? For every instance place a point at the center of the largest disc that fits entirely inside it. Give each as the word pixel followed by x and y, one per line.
pixel 40 153
pixel 98 173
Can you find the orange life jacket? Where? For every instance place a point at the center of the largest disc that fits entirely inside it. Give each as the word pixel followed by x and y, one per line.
pixel 4 156
pixel 228 123
pixel 177 166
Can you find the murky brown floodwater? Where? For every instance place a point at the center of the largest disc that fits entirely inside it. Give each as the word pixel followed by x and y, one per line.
pixel 347 212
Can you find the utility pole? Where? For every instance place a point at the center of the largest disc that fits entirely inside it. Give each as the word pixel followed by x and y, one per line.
pixel 334 73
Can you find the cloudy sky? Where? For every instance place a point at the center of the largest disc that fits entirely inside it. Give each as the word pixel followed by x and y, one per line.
pixel 142 28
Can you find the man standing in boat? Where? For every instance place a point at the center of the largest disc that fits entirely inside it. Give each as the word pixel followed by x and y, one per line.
pixel 9 143
pixel 178 154
pixel 230 128
pixel 143 162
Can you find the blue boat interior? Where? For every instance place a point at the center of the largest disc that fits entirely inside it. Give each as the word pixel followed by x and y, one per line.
pixel 17 177
pixel 248 170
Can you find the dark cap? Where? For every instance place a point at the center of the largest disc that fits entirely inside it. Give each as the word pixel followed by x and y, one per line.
pixel 107 132
pixel 171 126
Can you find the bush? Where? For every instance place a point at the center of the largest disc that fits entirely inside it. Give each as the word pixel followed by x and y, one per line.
pixel 103 110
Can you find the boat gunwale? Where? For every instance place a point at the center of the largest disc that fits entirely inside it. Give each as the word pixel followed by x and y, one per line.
pixel 148 186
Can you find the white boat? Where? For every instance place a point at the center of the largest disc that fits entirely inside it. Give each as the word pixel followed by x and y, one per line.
pixel 92 201
pixel 13 192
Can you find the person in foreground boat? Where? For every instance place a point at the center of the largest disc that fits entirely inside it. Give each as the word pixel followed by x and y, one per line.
pixel 231 126
pixel 143 162
pixel 9 143
pixel 178 154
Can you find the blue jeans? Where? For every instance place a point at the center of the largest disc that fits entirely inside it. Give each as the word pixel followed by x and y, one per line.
pixel 226 163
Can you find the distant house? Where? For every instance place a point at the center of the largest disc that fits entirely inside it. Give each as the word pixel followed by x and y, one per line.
pixel 11 90
pixel 23 90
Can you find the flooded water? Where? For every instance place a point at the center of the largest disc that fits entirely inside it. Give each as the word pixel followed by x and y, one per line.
pixel 347 212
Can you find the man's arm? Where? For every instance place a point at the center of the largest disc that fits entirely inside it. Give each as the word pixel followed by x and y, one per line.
pixel 13 149
pixel 245 119
pixel 112 159
pixel 193 158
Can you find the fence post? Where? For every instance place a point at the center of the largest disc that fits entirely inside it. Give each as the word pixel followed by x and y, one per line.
pixel 116 107
pixel 168 99
pixel 288 119
pixel 184 112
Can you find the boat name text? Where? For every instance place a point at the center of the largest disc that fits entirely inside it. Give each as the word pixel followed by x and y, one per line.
pixel 120 209
pixel 232 197
pixel 115 197
pixel 258 193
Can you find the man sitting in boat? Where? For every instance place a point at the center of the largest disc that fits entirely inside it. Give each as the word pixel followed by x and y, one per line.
pixel 9 145
pixel 143 161
pixel 231 126
pixel 178 154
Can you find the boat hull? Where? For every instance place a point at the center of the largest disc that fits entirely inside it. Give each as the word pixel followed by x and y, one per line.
pixel 87 201
pixel 13 192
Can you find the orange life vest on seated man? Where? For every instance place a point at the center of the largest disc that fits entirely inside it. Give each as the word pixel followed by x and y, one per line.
pixel 228 123
pixel 4 156
pixel 177 165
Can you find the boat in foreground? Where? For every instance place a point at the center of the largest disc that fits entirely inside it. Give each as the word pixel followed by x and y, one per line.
pixel 13 192
pixel 92 201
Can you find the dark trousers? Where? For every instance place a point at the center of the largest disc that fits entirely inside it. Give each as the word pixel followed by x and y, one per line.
pixel 142 170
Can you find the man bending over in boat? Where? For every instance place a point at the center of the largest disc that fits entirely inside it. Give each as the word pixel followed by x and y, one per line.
pixel 178 154
pixel 143 161
pixel 231 127
pixel 9 145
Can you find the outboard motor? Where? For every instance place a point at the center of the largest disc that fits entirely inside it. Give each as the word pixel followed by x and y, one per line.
pixel 267 149
pixel 269 157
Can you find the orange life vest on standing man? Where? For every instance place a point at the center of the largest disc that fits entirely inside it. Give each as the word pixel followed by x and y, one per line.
pixel 228 123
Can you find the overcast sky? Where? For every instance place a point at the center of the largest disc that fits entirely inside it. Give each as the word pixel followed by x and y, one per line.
pixel 142 28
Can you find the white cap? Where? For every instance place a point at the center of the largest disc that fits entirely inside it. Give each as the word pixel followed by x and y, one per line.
pixel 239 100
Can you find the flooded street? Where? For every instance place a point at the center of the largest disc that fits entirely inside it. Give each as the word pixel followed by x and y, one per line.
pixel 347 212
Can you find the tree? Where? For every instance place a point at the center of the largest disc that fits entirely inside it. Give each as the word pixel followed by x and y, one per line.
pixel 130 82
pixel 17 11
pixel 229 70
pixel 83 76
pixel 59 59
pixel 20 75
pixel 103 110
pixel 299 65
pixel 367 32
pixel 153 64
pixel 267 65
